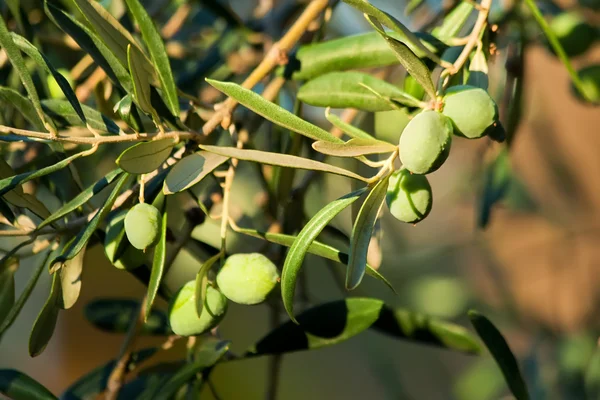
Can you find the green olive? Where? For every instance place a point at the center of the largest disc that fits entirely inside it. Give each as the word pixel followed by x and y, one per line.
pixel 247 278
pixel 574 34
pixel 183 317
pixel 409 196
pixel 425 142
pixel 142 225
pixel 471 110
pixel 131 257
pixel 590 79
pixel 54 89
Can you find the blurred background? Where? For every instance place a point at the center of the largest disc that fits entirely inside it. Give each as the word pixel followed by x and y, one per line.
pixel 535 269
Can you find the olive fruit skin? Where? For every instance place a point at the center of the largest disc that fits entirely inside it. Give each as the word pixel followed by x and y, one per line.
pixel 471 110
pixel 142 225
pixel 131 257
pixel 183 317
pixel 409 196
pixel 425 142
pixel 247 278
pixel 574 34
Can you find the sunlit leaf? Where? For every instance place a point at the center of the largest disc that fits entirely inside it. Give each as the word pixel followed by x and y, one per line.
pixel 332 323
pixel 20 386
pixel 478 70
pixel 346 90
pixel 272 111
pixel 23 105
pixel 7 285
pixel 70 280
pixel 43 327
pixel 145 157
pixel 158 53
pixel 190 170
pixel 158 264
pixel 139 78
pixel 312 229
pixel 114 316
pixel 62 113
pixel 347 128
pixel 354 147
pixel 454 21
pixel 501 352
pixel 282 160
pixel 362 232
pixel 202 282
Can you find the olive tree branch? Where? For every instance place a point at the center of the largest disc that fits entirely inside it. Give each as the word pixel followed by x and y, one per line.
pixel 277 55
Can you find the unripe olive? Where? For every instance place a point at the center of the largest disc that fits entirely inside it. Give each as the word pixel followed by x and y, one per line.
pixel 409 196
pixel 574 34
pixel 183 317
pixel 131 257
pixel 142 225
pixel 471 110
pixel 590 79
pixel 247 278
pixel 425 142
pixel 54 89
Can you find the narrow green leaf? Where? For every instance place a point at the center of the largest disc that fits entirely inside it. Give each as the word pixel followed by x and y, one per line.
pixel 63 114
pixel 70 280
pixel 141 84
pixel 145 157
pixel 497 179
pixel 81 198
pixel 316 248
pixel 28 201
pixel 347 128
pixel 362 232
pixel 24 296
pixel 354 147
pixel 6 211
pixel 282 160
pixel 453 22
pixel 334 322
pixel 15 58
pixel 7 285
pixel 158 53
pixel 346 90
pixel 86 233
pixel 272 111
pixel 190 170
pixel 210 353
pixel 308 234
pixel 41 60
pixel 43 327
pixel 388 20
pixel 92 44
pixel 19 386
pixel 365 50
pixel 202 282
pixel 158 264
pixel 501 352
pixel 23 105
pixel 8 184
pixel 478 70
pixel 114 316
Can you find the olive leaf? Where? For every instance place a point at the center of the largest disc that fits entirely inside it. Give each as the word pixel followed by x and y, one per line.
pixel 344 90
pixel 388 20
pixel 272 111
pixel 6 212
pixel 20 386
pixel 478 70
pixel 158 263
pixel 354 147
pixel 15 99
pixel 139 78
pixel 43 327
pixel 92 44
pixel 334 322
pixel 316 248
pixel 202 282
pixel 282 160
pixel 191 170
pixel 145 157
pixel 362 232
pixel 81 198
pixel 497 179
pixel 158 53
pixel 62 113
pixel 15 58
pixel 501 352
pixel 114 316
pixel 70 280
pixel 18 197
pixel 453 22
pixel 26 47
pixel 347 128
pixel 86 233
pixel 7 285
pixel 310 231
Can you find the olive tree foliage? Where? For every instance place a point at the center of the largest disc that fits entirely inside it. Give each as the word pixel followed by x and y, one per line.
pixel 143 80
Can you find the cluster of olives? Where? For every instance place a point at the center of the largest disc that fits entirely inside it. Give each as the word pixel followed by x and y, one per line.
pixel 466 111
pixel 244 279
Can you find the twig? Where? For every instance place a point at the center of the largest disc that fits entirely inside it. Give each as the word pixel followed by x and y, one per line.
pixel 277 55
